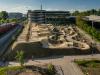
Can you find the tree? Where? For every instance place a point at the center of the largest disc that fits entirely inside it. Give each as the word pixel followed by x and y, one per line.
pixel 98 13
pixel 75 13
pixel 4 15
pixel 20 57
pixel 14 20
pixel 2 21
pixel 79 20
pixel 93 12
pixel 7 21
pixel 51 69
pixel 86 27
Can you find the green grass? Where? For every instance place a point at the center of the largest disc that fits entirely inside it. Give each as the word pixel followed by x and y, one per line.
pixel 89 63
pixel 3 70
pixel 89 67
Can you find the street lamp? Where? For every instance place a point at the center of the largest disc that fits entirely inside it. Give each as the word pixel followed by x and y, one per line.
pixel 92 37
pixel 92 29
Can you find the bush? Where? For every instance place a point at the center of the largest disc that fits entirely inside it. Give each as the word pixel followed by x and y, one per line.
pixel 89 63
pixel 4 70
pixel 51 69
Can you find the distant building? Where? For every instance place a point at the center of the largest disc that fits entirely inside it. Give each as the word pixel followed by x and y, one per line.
pixel 94 18
pixel 15 15
pixel 25 15
pixel 43 16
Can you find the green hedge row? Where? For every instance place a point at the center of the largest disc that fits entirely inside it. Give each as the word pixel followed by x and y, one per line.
pixel 86 27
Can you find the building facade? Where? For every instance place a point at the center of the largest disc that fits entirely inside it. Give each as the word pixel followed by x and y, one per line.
pixel 43 16
pixel 15 15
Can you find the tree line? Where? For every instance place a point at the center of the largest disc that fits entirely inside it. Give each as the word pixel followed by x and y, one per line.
pixel 4 18
pixel 86 27
pixel 87 13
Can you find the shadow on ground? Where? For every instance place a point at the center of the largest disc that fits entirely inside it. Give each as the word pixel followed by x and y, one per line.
pixel 35 49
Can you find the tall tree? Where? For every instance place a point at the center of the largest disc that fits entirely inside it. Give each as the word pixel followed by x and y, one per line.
pixel 75 13
pixel 4 15
pixel 93 12
pixel 98 12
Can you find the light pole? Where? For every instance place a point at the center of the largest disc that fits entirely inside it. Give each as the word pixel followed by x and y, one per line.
pixel 41 4
pixel 92 29
pixel 92 37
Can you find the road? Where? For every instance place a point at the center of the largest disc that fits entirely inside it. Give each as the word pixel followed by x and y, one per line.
pixel 6 40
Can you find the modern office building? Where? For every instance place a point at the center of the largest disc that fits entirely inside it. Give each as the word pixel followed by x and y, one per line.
pixel 43 16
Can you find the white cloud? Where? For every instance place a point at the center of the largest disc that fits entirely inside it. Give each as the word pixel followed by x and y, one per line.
pixel 22 9
pixel 3 8
pixel 52 9
pixel 16 8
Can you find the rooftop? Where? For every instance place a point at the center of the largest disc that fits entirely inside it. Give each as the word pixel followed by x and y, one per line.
pixel 93 18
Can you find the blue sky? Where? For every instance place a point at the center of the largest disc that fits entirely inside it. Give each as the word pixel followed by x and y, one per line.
pixel 71 5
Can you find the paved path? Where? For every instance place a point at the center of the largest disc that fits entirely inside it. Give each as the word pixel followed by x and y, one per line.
pixel 66 63
pixel 21 38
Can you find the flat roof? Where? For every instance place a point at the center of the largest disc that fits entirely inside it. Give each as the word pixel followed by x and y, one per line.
pixel 54 11
pixel 93 18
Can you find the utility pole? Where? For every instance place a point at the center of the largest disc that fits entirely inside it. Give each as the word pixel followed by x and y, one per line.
pixel 41 4
pixel 92 35
pixel 42 13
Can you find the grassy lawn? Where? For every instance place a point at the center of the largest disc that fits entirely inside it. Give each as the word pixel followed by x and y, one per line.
pixel 4 70
pixel 89 67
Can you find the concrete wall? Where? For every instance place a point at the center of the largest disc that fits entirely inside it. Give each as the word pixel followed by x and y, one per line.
pixel 35 49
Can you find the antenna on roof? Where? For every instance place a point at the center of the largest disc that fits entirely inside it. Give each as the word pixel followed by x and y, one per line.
pixel 41 4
